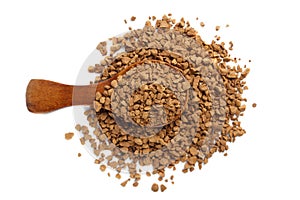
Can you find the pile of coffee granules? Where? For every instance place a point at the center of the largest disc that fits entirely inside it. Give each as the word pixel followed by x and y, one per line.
pixel 180 103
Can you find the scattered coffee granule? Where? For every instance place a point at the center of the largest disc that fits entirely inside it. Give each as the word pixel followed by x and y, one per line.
pixel 202 24
pixel 78 127
pixel 217 28
pixel 135 184
pixel 91 69
pixel 129 28
pixel 125 21
pixel 148 174
pixel 133 18
pixel 162 188
pixel 197 18
pixel 102 168
pixel 125 183
pixel 254 105
pixel 118 176
pixel 82 141
pixel 154 187
pixel 69 136
pixel 108 174
pixel 172 177
pixel 79 155
pixel 103 50
pixel 225 154
pixel 97 161
pixel 230 45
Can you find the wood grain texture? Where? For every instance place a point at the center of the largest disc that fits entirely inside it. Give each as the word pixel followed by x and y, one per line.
pixel 45 96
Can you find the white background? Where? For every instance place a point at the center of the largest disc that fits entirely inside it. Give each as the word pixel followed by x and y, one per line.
pixel 51 40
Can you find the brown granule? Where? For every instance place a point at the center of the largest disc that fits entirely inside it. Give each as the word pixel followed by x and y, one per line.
pixel 78 127
pixel 108 174
pixel 218 28
pixel 69 136
pixel 154 187
pixel 102 168
pixel 202 24
pixel 79 155
pixel 162 188
pixel 225 154
pixel 172 177
pixel 254 105
pixel 118 176
pixel 125 21
pixel 124 183
pixel 133 18
pixel 82 141
pixel 135 184
pixel 230 45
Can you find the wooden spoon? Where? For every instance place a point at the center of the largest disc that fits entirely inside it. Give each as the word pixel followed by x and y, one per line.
pixel 43 96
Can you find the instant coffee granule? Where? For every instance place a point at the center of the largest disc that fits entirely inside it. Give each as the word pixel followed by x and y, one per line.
pixel 154 187
pixel 135 184
pixel 124 183
pixel 196 97
pixel 118 176
pixel 162 187
pixel 69 136
pixel 102 168
pixel 133 18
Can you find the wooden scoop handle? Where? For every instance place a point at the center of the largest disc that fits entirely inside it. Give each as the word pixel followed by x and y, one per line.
pixel 44 96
